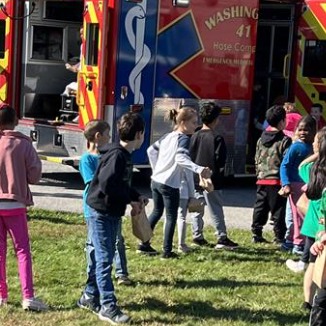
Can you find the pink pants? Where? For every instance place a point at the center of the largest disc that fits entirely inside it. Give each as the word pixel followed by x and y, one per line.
pixel 14 222
pixel 296 192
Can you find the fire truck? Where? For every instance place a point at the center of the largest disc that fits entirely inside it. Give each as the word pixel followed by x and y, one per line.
pixel 149 56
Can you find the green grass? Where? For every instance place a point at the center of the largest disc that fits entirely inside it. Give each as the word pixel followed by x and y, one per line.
pixel 249 286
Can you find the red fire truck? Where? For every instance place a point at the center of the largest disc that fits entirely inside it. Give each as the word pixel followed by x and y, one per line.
pixel 152 55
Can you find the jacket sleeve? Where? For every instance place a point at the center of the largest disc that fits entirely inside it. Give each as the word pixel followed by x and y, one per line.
pixel 285 165
pixel 182 156
pixel 33 165
pixel 152 153
pixel 220 152
pixel 257 155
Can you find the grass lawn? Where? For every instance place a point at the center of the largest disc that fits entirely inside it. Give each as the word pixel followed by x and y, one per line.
pixel 249 286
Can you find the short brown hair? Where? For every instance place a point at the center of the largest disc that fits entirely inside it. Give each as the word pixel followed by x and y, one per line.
pixel 7 115
pixel 129 124
pixel 94 126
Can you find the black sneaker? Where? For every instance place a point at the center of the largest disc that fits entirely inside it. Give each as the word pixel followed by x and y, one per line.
pixel 89 303
pixel 146 250
pixel 200 242
pixel 113 315
pixel 169 255
pixel 226 243
pixel 258 239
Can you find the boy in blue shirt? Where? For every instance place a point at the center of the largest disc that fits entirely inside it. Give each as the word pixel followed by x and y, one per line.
pixel 97 134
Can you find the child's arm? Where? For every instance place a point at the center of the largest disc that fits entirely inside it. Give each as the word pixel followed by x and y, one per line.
pixel 152 153
pixel 309 159
pixel 33 166
pixel 220 153
pixel 286 166
pixel 87 167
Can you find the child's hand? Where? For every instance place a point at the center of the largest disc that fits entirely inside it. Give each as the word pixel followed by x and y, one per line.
pixel 206 184
pixel 317 248
pixel 206 173
pixel 285 191
pixel 143 201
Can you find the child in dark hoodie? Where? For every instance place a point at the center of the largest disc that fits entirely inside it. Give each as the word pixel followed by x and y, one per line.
pixel 270 150
pixel 109 193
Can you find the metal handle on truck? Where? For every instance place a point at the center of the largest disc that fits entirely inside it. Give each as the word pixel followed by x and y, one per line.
pixel 286 66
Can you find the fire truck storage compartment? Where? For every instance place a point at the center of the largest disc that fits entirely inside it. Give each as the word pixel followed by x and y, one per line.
pixel 51 39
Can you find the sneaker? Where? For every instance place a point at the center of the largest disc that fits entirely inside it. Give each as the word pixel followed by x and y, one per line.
pixel 226 243
pixel 123 280
pixel 3 301
pixel 169 255
pixel 200 242
pixel 146 250
pixel 295 266
pixel 184 249
pixel 89 303
pixel 297 250
pixel 34 304
pixel 113 315
pixel 306 306
pixel 258 239
pixel 287 246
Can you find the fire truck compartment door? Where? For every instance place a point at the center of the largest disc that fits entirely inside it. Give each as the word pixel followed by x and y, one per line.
pixel 6 49
pixel 90 94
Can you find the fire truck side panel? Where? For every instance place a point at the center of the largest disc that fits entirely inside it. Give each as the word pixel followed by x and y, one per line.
pixel 136 64
pixel 310 85
pixel 6 51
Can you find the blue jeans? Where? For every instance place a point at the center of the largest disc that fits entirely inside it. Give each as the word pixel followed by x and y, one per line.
pixel 120 260
pixel 288 222
pixel 105 229
pixel 168 198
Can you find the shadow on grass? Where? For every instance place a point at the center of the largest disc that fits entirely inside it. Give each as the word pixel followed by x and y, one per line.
pixel 223 282
pixel 56 195
pixel 199 310
pixel 56 220
pixel 241 254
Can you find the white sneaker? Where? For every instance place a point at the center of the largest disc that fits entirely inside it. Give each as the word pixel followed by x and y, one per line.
pixel 34 304
pixel 184 249
pixel 295 266
pixel 3 302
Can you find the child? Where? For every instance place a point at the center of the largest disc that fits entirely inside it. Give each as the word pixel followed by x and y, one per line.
pixel 207 148
pixel 291 181
pixel 108 195
pixel 97 134
pixel 168 157
pixel 310 223
pixel 317 189
pixel 20 166
pixel 270 150
pixel 317 112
